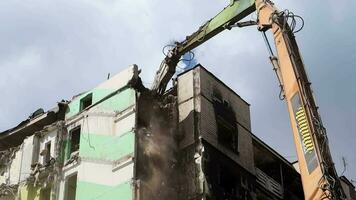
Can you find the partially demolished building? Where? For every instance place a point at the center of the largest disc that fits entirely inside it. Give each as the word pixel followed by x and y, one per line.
pixel 119 141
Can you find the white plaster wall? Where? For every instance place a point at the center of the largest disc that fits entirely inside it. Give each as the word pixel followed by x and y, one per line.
pixel 125 123
pixel 48 137
pixel 98 173
pixel 78 121
pixel 27 158
pixel 102 173
pixel 14 172
pixel 121 79
pixel 93 123
pixel 97 124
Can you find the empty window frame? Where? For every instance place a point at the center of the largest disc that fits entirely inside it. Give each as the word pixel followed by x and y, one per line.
pixel 86 101
pixel 74 139
pixel 47 153
pixel 70 187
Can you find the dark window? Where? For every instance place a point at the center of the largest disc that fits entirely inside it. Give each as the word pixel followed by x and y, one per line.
pixel 86 101
pixel 227 134
pixel 226 123
pixel 70 187
pixel 74 139
pixel 227 183
pixel 47 153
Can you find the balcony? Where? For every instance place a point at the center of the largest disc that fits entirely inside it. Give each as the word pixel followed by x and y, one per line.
pixel 269 183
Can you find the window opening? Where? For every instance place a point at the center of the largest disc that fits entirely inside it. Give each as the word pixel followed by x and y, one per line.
pixel 226 123
pixel 71 187
pixel 47 154
pixel 86 101
pixel 74 139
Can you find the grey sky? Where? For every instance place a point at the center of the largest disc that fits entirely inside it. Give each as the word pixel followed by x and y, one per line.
pixel 52 50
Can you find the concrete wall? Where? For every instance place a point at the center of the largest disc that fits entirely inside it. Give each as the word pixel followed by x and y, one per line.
pixel 195 93
pixel 197 121
pixel 209 84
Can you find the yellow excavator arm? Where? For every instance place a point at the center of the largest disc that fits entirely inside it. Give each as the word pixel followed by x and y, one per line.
pixel 319 177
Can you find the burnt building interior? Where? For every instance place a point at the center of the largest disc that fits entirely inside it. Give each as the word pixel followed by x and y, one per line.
pixel 195 142
pixel 283 180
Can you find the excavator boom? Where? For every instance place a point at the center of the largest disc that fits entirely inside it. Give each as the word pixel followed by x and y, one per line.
pixel 231 14
pixel 319 177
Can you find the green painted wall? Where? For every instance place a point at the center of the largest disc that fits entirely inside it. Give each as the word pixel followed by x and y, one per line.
pixel 102 145
pixel 118 102
pixel 106 147
pixel 88 191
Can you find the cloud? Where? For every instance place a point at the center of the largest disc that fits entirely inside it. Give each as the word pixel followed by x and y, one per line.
pixel 54 50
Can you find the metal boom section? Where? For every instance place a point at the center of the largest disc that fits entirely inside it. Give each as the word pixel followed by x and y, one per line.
pixel 231 14
pixel 319 177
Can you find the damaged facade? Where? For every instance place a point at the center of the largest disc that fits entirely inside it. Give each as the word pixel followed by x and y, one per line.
pixel 218 149
pixel 119 141
pixel 30 156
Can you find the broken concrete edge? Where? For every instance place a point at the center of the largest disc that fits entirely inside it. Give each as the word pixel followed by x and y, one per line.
pixel 15 136
pixel 121 83
pixel 42 175
pixel 57 113
pixel 39 176
pixel 215 77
